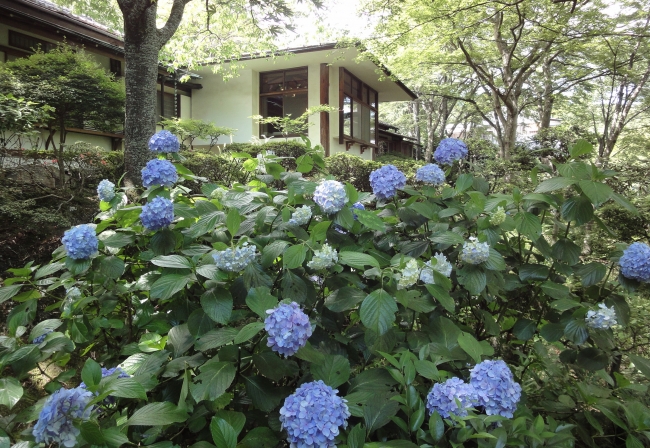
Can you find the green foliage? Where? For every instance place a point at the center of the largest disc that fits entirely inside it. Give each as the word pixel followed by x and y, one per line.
pixel 187 130
pixel 193 337
pixel 18 118
pixel 288 126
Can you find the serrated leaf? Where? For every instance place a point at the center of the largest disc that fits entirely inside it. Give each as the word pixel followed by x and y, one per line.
pixel 213 381
pixel 524 329
pixel 334 370
pixel 371 220
pixel 223 433
pixel 294 256
pixel 357 260
pixel 10 391
pixel 378 311
pixel 344 299
pixel 580 147
pixel 471 346
pixel 555 183
pixel 217 304
pixel 168 285
pixel 259 300
pixel 157 414
pixel 597 192
pixel 378 411
pixel 126 388
pixel 172 261
pixel 248 332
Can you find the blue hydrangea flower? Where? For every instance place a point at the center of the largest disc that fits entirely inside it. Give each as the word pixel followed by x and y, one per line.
pixel 409 276
pixel 164 142
pixel 498 216
pixel 475 252
pixel 635 262
pixel 430 174
pixel 301 216
pixel 55 422
pixel 108 372
pixel 386 180
pixel 39 339
pixel 443 396
pixel 80 242
pixel 235 260
pixel 288 328
pixel 106 190
pixel 312 416
pixel 330 196
pixel 324 258
pixel 449 150
pixel 442 265
pixel 157 214
pixel 159 173
pixel 602 319
pixel 356 206
pixel 496 389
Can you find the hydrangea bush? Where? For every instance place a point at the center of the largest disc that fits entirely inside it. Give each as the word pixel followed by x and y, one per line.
pixel 385 325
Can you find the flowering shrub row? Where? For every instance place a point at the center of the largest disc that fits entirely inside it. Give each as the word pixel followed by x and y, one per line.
pixel 321 316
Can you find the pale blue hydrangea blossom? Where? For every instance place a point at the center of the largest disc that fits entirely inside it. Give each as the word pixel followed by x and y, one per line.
pixel 330 196
pixel 288 328
pixel 475 252
pixel 602 319
pixel 498 216
pixel 235 260
pixel 164 142
pixel 80 242
pixel 442 266
pixel 159 173
pixel 300 216
pixel 635 262
pixel 449 150
pixel 496 389
pixel 106 190
pixel 386 180
pixel 56 421
pixel 312 416
pixel 108 372
pixel 356 206
pixel 324 258
pixel 409 275
pixel 39 339
pixel 430 174
pixel 446 397
pixel 157 214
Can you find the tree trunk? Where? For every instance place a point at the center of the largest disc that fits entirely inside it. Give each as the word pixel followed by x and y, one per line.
pixel 547 100
pixel 60 181
pixel 509 138
pixel 141 47
pixel 431 133
pixel 415 111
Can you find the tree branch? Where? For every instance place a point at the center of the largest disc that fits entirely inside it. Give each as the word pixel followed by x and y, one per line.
pixel 175 16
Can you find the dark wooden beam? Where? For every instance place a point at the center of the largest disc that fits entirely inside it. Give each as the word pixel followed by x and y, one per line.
pixel 341 87
pixel 325 116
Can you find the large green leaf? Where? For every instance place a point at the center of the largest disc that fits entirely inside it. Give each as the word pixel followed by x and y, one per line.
pixel 471 346
pixel 555 183
pixel 181 339
pixel 126 388
pixel 358 260
pixel 598 192
pixel 370 220
pixel 223 433
pixel 567 251
pixel 642 364
pixel 172 261
pixel 216 338
pixel 378 311
pixel 344 299
pixel 441 295
pixel 294 256
pixel 528 224
pixel 10 391
pixel 578 209
pixel 260 437
pixel 168 285
pixel 591 358
pixel 233 221
pixel 334 370
pixel 524 329
pixel 580 148
pixel 217 304
pixel 378 411
pixel 259 300
pixel 112 267
pixel 248 332
pixel 591 273
pixel 157 414
pixel 264 394
pixel 213 381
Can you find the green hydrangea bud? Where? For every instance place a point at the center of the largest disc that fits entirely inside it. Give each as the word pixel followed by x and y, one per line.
pixel 498 216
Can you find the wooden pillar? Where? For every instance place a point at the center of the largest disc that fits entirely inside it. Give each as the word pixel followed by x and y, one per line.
pixel 325 116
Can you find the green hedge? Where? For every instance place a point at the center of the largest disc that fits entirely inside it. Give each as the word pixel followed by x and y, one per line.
pixel 291 149
pixel 217 168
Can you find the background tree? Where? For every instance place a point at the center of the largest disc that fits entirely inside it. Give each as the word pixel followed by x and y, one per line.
pixel 212 31
pixel 78 89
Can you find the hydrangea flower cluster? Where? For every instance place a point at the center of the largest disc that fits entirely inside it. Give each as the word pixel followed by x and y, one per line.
pixel 108 372
pixel 496 389
pixel 312 416
pixel 159 173
pixel 498 216
pixel 409 275
pixel 164 142
pixel 235 260
pixel 55 422
pixel 356 206
pixel 80 242
pixel 301 216
pixel 288 328
pixel 449 150
pixel 386 180
pixel 443 396
pixel 106 190
pixel 430 174
pixel 330 196
pixel 157 214
pixel 39 339
pixel 602 319
pixel 635 262
pixel 324 258
pixel 442 265
pixel 218 193
pixel 475 252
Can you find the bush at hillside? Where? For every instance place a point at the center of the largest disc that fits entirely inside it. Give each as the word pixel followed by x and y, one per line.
pixel 440 316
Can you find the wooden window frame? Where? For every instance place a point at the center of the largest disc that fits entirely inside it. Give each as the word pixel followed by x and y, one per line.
pixel 281 93
pixel 350 140
pixel 116 67
pixel 42 44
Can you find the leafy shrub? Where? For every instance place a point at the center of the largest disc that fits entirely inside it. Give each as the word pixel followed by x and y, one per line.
pixel 510 322
pixel 220 169
pixel 289 151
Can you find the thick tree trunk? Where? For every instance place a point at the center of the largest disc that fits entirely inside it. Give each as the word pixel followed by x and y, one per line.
pixel 547 100
pixel 509 138
pixel 431 133
pixel 141 47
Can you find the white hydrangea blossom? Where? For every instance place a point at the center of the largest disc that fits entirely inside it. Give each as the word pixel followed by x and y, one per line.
pixel 324 258
pixel 602 319
pixel 409 275
pixel 442 265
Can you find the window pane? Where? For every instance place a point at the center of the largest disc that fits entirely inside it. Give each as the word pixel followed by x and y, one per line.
pixel 295 79
pixel 271 82
pixel 356 89
pixel 348 84
pixel 373 98
pixel 271 106
pixel 295 104
pixel 364 97
pixel 365 123
pixel 346 116
pixel 356 120
pixel 373 129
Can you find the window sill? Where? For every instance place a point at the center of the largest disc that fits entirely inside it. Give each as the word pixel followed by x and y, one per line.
pixel 363 145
